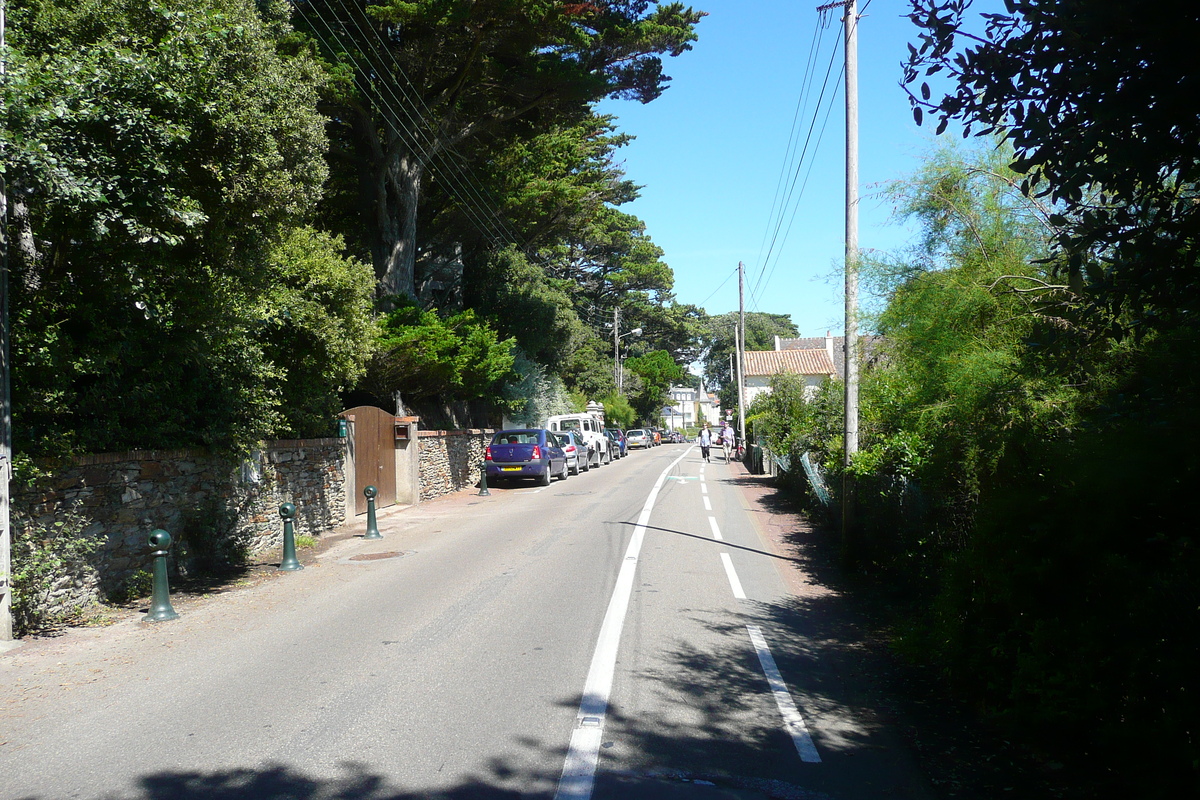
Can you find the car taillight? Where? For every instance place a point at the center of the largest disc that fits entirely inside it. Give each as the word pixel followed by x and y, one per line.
pixel 487 456
pixel 537 452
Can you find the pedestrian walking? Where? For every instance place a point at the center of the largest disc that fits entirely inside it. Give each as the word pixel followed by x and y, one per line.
pixel 705 442
pixel 727 438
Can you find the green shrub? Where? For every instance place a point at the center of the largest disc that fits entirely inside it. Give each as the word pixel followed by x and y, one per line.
pixel 46 559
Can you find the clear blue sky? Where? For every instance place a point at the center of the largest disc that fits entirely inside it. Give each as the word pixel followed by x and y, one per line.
pixel 710 150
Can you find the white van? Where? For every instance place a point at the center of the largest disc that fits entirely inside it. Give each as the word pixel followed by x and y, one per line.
pixel 590 429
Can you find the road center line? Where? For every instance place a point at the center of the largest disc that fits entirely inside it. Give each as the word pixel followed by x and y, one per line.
pixel 734 583
pixel 712 523
pixel 783 699
pixel 579 768
pixel 707 503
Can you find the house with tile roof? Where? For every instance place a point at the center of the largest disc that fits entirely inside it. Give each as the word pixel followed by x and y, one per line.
pixel 813 365
pixel 816 359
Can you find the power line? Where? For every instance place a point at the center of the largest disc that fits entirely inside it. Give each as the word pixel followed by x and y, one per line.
pixel 412 133
pixel 760 283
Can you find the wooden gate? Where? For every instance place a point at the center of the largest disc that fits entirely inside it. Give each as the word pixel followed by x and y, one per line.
pixel 374 455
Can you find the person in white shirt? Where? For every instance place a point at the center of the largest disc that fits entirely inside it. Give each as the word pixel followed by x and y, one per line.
pixel 727 437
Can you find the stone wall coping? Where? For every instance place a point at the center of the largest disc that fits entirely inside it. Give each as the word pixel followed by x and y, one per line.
pixel 283 444
pixel 466 432
pixel 96 459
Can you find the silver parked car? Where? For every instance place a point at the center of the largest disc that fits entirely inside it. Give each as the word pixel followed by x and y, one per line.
pixel 577 452
pixel 638 438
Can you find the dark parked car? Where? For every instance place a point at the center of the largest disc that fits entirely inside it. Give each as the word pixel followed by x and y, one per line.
pixel 526 453
pixel 614 443
pixel 620 434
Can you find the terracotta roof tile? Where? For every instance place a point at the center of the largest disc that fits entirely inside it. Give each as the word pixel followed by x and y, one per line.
pixel 796 362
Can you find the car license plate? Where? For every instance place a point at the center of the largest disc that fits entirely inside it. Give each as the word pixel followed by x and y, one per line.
pixel 510 469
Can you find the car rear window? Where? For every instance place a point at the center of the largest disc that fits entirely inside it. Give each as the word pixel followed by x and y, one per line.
pixel 515 437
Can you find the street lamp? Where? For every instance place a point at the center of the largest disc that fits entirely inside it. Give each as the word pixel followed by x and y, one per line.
pixel 617 337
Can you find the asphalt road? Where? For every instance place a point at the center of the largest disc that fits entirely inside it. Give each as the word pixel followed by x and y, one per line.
pixel 632 632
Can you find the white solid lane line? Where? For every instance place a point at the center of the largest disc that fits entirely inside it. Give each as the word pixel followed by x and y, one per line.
pixel 712 523
pixel 579 768
pixel 783 698
pixel 734 583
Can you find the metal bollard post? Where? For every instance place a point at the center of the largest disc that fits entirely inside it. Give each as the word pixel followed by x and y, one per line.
pixel 483 492
pixel 160 601
pixel 289 563
pixel 372 527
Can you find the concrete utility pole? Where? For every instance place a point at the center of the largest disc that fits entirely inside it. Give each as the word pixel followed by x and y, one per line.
pixel 617 348
pixel 851 343
pixel 741 349
pixel 6 624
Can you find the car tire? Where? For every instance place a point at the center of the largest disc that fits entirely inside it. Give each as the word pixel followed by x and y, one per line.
pixel 545 478
pixel 575 469
pixel 562 476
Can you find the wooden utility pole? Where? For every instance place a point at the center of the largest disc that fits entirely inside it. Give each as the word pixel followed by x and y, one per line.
pixel 6 625
pixel 740 340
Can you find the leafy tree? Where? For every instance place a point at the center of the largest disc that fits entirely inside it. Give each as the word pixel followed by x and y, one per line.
pixel 1098 102
pixel 473 77
pixel 717 341
pixel 657 371
pixel 156 158
pixel 423 355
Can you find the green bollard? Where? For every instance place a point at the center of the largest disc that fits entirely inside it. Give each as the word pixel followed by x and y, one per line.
pixel 483 492
pixel 289 563
pixel 372 528
pixel 160 601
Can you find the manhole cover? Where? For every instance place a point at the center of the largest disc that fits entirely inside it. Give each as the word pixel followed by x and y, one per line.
pixel 366 558
pixel 374 556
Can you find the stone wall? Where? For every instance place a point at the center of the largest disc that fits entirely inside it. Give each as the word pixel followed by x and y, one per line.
pixel 207 503
pixel 451 460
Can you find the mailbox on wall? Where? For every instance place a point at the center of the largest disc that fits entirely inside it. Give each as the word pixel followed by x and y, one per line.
pixel 405 427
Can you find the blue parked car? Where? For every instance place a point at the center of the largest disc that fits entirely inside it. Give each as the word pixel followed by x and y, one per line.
pixel 526 453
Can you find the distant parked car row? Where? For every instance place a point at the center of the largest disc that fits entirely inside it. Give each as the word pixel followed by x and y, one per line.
pixel 572 445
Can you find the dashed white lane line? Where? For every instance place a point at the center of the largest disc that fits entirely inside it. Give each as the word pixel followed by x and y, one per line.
pixel 783 699
pixel 707 503
pixel 734 583
pixel 712 523
pixel 583 753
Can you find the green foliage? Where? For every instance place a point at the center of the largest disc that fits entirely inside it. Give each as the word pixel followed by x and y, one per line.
pixel 1025 480
pixel 1090 95
pixel 523 303
pixel 160 159
pixel 717 336
pixel 534 395
pixel 317 327
pixel 424 355
pixel 618 413
pixel 45 559
pixel 499 83
pixel 658 372
pixel 139 583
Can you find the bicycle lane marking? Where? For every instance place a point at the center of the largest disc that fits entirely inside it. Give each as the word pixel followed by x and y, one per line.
pixel 583 753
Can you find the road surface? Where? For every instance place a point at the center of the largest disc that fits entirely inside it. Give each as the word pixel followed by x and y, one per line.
pixel 632 632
